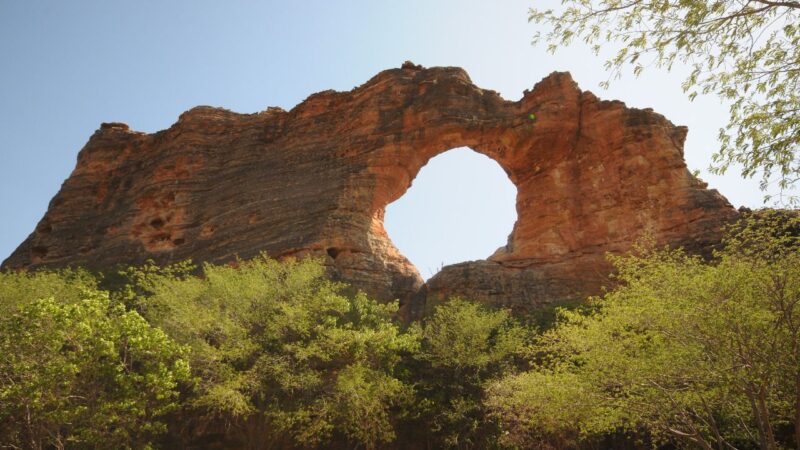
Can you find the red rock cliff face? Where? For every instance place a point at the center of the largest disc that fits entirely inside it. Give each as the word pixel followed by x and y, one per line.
pixel 592 176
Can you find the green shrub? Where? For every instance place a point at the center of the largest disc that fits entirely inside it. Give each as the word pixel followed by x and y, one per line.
pixel 280 355
pixel 18 289
pixel 697 354
pixel 465 346
pixel 83 373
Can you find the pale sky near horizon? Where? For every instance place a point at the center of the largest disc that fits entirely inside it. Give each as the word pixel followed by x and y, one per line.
pixel 68 66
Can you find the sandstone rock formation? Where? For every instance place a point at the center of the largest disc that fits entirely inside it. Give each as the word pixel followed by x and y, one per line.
pixel 591 176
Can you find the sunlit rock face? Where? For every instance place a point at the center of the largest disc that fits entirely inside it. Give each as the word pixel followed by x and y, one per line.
pixel 592 177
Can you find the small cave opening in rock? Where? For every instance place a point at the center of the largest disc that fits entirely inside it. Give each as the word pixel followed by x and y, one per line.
pixel 460 207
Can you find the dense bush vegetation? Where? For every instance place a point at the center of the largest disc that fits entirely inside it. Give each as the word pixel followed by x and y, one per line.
pixel 80 371
pixel 279 358
pixel 464 347
pixel 279 355
pixel 682 352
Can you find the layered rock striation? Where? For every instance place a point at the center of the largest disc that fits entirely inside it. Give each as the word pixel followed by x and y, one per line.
pixel 592 177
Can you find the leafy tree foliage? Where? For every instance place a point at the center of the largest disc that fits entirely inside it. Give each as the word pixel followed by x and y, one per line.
pixel 465 346
pixel 700 355
pixel 81 373
pixel 281 357
pixel 747 52
pixel 683 352
pixel 20 289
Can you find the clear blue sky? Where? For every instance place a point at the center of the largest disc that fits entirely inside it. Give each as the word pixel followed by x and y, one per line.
pixel 67 66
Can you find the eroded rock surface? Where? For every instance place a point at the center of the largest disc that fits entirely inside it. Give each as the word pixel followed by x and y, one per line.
pixel 592 176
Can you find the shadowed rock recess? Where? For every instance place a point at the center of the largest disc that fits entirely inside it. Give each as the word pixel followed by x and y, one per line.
pixel 592 176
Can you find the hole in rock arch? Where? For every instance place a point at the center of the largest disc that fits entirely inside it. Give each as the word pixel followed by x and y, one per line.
pixel 460 207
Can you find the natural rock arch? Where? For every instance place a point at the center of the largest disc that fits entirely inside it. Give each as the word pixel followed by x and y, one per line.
pixel 591 176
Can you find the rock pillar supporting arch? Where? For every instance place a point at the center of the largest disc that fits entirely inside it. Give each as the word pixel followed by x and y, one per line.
pixel 591 177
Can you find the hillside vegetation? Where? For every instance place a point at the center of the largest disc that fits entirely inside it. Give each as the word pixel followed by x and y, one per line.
pixel 679 352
